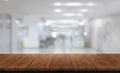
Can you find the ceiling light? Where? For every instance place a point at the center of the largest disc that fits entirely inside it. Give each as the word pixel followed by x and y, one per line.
pixel 67 21
pixel 90 4
pixel 54 34
pixel 52 21
pixel 58 10
pixel 80 14
pixel 17 21
pixel 49 22
pixel 69 14
pixel 58 4
pixel 85 33
pixel 84 10
pixel 73 4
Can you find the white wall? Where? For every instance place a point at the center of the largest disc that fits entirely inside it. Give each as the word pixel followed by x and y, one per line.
pixel 112 34
pixel 106 34
pixel 5 34
pixel 32 39
pixel 97 33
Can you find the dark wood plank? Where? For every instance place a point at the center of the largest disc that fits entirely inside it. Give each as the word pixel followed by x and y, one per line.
pixel 80 62
pixel 102 64
pixel 60 62
pixel 17 62
pixel 6 59
pixel 41 63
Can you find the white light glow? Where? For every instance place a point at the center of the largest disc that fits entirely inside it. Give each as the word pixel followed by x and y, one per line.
pixel 84 10
pixel 73 4
pixel 40 24
pixel 56 52
pixel 91 4
pixel 49 22
pixel 82 23
pixel 17 21
pixel 80 14
pixel 58 10
pixel 54 34
pixel 68 14
pixel 57 4
pixel 67 21
pixel 63 21
pixel 85 33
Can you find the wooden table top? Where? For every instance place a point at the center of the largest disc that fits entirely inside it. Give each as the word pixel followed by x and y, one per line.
pixel 59 62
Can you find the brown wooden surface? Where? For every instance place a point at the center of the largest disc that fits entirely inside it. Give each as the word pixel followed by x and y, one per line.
pixel 59 62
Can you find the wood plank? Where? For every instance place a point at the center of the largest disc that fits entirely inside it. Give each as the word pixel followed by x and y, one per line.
pixel 103 64
pixel 41 63
pixel 17 62
pixel 60 62
pixel 81 63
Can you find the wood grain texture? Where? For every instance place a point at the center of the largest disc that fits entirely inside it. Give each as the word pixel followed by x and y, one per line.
pixel 60 62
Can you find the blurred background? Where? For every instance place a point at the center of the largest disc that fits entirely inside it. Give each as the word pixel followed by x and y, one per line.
pixel 59 26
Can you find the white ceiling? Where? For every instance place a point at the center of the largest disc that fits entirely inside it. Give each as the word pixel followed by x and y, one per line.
pixel 45 8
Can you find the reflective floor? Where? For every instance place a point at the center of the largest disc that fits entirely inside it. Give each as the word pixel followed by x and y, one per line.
pixel 58 51
pixel 66 51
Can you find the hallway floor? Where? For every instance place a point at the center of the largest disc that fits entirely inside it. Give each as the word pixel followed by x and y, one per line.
pixel 58 51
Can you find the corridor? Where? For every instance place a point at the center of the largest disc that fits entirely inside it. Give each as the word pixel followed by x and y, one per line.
pixel 59 26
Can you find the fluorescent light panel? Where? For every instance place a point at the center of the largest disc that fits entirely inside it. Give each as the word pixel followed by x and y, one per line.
pixel 73 14
pixel 90 4
pixel 68 14
pixel 58 10
pixel 74 4
pixel 84 10
pixel 63 21
pixel 57 4
pixel 80 14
